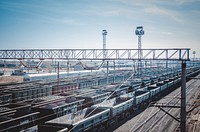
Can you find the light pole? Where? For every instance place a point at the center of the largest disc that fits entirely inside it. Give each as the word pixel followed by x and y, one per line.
pixel 104 33
pixel 194 52
pixel 139 32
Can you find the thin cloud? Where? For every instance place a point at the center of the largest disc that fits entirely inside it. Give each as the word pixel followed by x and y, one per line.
pixel 106 10
pixel 45 13
pixel 167 33
pixel 181 2
pixel 152 7
pixel 196 12
pixel 164 12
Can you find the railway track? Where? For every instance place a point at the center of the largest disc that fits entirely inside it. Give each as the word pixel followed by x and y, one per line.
pixel 171 124
pixel 153 119
pixel 156 120
pixel 193 118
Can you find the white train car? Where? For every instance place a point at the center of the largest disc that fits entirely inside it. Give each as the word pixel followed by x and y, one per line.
pixel 141 96
pixel 154 89
pixel 162 85
pixel 82 120
pixel 49 76
pixel 117 105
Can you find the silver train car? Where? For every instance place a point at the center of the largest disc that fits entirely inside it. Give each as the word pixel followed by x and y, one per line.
pixel 82 120
pixel 51 76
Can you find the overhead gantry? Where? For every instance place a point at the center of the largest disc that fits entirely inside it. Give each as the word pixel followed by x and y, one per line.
pixel 97 54
pixel 94 54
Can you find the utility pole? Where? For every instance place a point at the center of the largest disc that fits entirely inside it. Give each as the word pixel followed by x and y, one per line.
pixel 114 69
pixel 107 71
pixel 183 97
pixel 194 52
pixel 58 71
pixel 68 68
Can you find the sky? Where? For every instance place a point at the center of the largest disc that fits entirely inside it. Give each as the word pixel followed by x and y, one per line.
pixel 78 24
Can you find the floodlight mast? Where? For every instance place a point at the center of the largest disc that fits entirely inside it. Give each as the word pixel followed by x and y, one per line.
pixel 139 32
pixel 104 33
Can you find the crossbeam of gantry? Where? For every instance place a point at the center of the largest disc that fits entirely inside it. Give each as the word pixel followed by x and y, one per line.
pixel 96 54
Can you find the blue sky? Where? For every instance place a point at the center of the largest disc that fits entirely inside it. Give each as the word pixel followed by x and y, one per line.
pixel 26 24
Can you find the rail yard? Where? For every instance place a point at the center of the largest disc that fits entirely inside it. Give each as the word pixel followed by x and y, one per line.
pixel 119 101
pixel 101 98
pixel 99 66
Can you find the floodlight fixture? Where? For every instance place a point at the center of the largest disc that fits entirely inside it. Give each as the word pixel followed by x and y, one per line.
pixel 139 31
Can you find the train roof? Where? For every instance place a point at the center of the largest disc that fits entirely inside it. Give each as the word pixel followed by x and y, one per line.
pixel 150 87
pixel 48 98
pixel 94 94
pixel 113 102
pixel 58 103
pixel 78 116
pixel 55 73
pixel 114 87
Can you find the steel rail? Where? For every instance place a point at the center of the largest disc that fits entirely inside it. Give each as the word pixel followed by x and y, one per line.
pixel 155 113
pixel 189 90
pixel 164 115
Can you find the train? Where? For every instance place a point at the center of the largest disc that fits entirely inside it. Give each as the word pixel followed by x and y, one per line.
pixel 102 116
pixel 130 97
pixel 51 76
pixel 30 90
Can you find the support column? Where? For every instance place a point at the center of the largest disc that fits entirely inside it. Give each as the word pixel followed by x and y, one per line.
pixel 145 64
pixel 166 64
pixel 134 67
pixel 58 76
pixel 107 72
pixel 68 68
pixel 139 68
pixel 183 97
pixel 4 62
pixel 114 70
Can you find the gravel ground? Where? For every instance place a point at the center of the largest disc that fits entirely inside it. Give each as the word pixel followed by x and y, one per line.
pixel 10 79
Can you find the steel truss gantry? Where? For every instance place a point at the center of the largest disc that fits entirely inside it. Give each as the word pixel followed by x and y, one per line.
pixel 96 54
